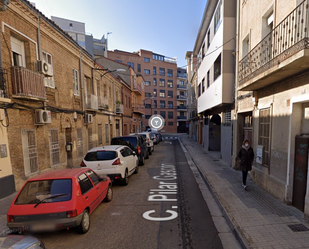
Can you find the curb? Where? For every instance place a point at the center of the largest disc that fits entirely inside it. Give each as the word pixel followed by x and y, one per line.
pixel 236 231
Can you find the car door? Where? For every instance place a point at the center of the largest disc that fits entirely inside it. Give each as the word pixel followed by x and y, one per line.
pixel 100 187
pixel 131 159
pixel 87 190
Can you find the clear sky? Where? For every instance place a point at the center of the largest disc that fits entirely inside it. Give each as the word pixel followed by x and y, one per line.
pixel 167 27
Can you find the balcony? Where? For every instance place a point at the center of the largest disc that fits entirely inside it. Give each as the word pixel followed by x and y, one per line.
pixel 92 102
pixel 183 87
pixel 181 118
pixel 282 53
pixel 180 107
pixel 138 108
pixel 119 108
pixel 27 83
pixel 182 75
pixel 137 88
pixel 181 97
pixel 102 103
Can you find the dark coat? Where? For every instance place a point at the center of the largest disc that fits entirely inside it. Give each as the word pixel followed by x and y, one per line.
pixel 245 157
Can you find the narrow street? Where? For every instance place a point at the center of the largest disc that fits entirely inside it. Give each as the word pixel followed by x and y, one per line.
pixel 162 207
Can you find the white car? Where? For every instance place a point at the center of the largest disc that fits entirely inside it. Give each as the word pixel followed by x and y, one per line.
pixel 117 162
pixel 148 139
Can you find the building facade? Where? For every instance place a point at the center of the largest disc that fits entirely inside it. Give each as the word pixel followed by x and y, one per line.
pixel 182 104
pixel 272 101
pixel 215 49
pixel 58 102
pixel 160 75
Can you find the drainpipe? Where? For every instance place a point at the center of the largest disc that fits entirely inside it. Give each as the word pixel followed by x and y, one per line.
pixel 39 40
pixel 81 80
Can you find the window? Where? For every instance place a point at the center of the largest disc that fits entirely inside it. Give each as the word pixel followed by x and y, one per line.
pixel 148 106
pixel 227 121
pixel 146 59
pixel 139 68
pixel 162 71
pixel 120 61
pixel 157 57
pixel 147 116
pixel 155 103
pixel 155 92
pixel 54 147
pixel 217 67
pixel 170 115
pixel 80 151
pixel 181 82
pixel 146 71
pixel 169 72
pixel 162 113
pixel 245 46
pixel 208 38
pixel 147 94
pixel 131 64
pixel 162 103
pixel 203 85
pixel 147 83
pixel 18 52
pixel 203 51
pixel 162 82
pixel 170 94
pixel 162 93
pixel 154 81
pixel 49 81
pixel 155 112
pixel 100 134
pixel 170 123
pixel 264 134
pixel 170 104
pixel 154 70
pixel 170 83
pixel 208 79
pixel 93 176
pixel 217 18
pixel 30 153
pixel 75 82
pixel 106 134
pixel 199 90
pixel 84 183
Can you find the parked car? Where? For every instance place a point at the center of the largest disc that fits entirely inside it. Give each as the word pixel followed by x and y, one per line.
pixel 118 162
pixel 20 242
pixel 159 136
pixel 58 199
pixel 136 143
pixel 154 138
pixel 149 142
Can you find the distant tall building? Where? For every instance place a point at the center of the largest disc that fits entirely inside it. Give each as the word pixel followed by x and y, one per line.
pixel 182 107
pixel 160 74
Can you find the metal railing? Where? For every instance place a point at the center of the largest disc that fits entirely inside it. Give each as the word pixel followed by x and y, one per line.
pixel 286 39
pixel 27 83
pixel 181 117
pixel 182 97
pixel 2 83
pixel 119 108
pixel 92 102
pixel 181 107
pixel 139 108
pixel 181 87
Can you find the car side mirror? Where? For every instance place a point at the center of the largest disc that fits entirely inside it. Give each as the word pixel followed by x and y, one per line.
pixel 103 179
pixel 134 154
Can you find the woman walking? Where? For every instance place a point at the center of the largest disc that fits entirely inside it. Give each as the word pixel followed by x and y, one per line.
pixel 245 157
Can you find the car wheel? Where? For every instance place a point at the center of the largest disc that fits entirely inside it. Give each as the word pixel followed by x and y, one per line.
pixel 136 169
pixel 142 161
pixel 85 223
pixel 109 194
pixel 125 180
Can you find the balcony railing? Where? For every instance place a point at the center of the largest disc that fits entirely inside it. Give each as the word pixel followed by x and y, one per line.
pixel 181 87
pixel 138 108
pixel 27 83
pixel 181 117
pixel 182 75
pixel 102 102
pixel 137 87
pixel 119 108
pixel 3 92
pixel 92 102
pixel 181 97
pixel 284 41
pixel 181 107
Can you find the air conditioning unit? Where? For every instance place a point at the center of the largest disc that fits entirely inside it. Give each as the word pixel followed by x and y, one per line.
pixel 88 118
pixel 42 117
pixel 45 68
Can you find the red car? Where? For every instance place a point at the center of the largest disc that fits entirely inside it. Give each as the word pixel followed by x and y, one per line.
pixel 57 200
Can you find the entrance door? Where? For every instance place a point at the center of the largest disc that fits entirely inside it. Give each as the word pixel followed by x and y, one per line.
pixel 300 171
pixel 68 139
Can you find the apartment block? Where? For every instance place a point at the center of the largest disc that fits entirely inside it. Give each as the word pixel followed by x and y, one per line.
pixel 215 50
pixel 57 102
pixel 272 99
pixel 160 84
pixel 182 105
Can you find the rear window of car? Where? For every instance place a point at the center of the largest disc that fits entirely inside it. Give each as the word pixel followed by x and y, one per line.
pixel 101 156
pixel 45 191
pixel 143 135
pixel 120 141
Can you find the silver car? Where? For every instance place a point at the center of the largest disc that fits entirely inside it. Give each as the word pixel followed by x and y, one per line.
pixel 20 242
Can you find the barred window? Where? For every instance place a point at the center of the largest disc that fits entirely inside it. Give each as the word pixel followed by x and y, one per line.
pixel 30 152
pixel 227 119
pixel 90 143
pixel 54 147
pixel 75 82
pixel 106 134
pixel 264 134
pixel 80 151
pixel 100 134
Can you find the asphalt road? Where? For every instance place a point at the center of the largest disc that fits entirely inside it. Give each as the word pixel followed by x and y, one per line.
pixel 161 208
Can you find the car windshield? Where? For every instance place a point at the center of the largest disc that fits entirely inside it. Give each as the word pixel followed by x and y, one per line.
pixel 36 191
pixel 123 140
pixel 101 156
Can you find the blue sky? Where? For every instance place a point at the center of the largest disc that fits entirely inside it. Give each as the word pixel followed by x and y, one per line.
pixel 167 27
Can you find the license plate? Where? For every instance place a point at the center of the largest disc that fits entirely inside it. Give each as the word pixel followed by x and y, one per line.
pixel 42 227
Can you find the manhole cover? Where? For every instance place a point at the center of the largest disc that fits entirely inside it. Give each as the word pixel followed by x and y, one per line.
pixel 298 228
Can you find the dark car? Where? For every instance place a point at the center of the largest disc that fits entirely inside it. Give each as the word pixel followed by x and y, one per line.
pixel 159 136
pixel 136 143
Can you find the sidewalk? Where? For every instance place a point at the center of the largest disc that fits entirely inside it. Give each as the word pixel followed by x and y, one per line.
pixel 256 218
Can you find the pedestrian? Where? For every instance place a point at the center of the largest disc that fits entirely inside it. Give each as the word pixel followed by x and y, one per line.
pixel 245 157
